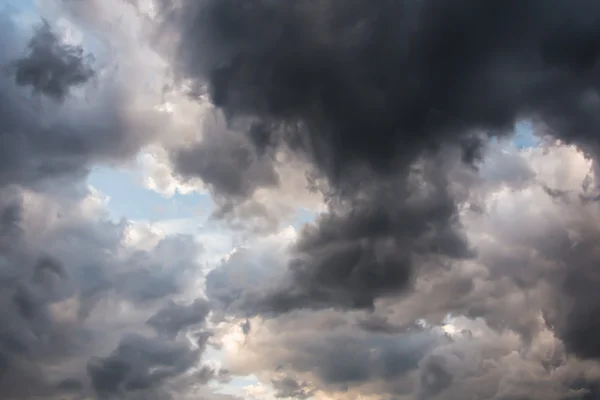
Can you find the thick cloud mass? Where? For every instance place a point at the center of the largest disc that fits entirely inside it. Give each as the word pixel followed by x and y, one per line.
pixel 367 93
pixel 384 238
pixel 393 103
pixel 378 83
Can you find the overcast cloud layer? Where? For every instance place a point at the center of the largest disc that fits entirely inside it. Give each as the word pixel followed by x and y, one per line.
pixel 441 261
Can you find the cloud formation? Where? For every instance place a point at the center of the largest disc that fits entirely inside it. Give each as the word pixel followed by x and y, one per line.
pixel 393 104
pixel 87 302
pixel 389 239
pixel 51 67
pixel 372 97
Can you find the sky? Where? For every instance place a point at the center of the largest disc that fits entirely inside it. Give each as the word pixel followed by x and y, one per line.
pixel 336 200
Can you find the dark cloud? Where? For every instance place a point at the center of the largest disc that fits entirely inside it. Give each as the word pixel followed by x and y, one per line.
pixel 10 218
pixel 173 318
pixel 574 312
pixel 365 92
pixel 71 385
pixel 378 324
pixel 435 377
pixel 377 82
pixel 290 388
pixel 226 161
pixel 378 98
pixel 468 266
pixel 246 327
pixel 362 249
pixel 519 313
pixel 52 68
pixel 137 364
pixel 368 247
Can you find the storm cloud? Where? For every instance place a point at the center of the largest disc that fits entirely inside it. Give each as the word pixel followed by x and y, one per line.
pixel 394 105
pixel 373 223
pixel 367 94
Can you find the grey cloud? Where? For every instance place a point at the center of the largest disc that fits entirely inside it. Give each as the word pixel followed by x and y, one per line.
pixel 521 310
pixel 380 324
pixel 373 95
pixel 10 218
pixel 139 363
pixel 237 284
pixel 364 91
pixel 475 363
pixel 254 190
pixel 367 247
pixel 382 99
pixel 173 318
pixel 59 282
pixel 226 161
pixel 246 327
pixel 573 313
pixel 146 279
pixel 60 134
pixel 52 67
pixel 290 388
pixel 71 384
pixel 435 377
pixel 533 257
pixel 308 351
pixel 374 83
pixel 546 262
pixel 68 276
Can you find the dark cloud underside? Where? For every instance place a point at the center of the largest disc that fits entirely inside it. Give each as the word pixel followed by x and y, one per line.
pixel 364 91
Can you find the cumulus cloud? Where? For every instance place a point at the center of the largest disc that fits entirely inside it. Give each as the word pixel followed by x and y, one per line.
pixel 367 94
pixel 74 286
pixel 392 105
pixel 138 364
pixel 438 260
pixel 516 318
pixel 80 293
pixel 44 139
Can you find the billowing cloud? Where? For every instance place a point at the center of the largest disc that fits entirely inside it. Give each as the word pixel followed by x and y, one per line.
pixel 138 364
pixel 516 315
pixel 81 293
pixel 389 241
pixel 75 285
pixel 42 138
pixel 175 317
pixel 371 96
